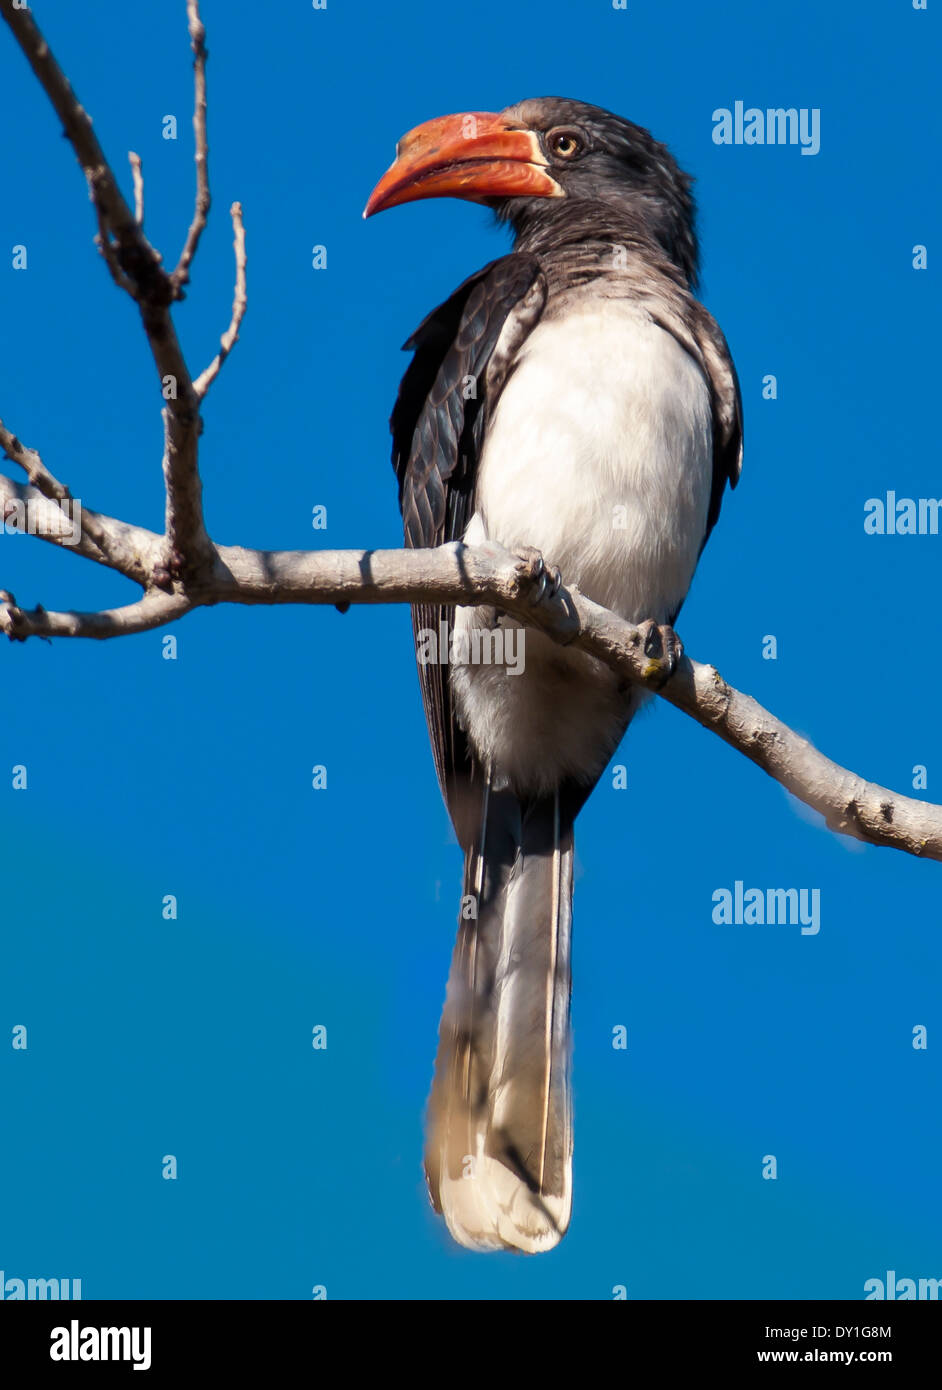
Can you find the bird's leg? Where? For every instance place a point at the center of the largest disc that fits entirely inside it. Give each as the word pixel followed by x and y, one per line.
pixel 664 648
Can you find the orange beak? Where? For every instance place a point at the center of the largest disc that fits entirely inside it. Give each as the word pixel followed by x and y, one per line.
pixel 475 155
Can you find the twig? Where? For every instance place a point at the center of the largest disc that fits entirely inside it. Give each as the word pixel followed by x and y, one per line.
pixel 78 129
pixel 33 466
pixel 155 609
pixel 107 249
pixel 115 555
pixel 231 336
pixel 201 211
pixel 137 268
pixel 131 550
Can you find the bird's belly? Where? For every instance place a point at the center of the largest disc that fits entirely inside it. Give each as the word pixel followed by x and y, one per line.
pixel 599 453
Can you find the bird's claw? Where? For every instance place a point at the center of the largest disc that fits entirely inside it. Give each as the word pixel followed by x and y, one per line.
pixel 547 582
pixel 663 648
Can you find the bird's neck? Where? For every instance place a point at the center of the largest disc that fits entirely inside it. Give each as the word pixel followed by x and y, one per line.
pixel 607 233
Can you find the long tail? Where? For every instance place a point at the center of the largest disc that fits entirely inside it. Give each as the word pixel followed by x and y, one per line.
pixel 499 1148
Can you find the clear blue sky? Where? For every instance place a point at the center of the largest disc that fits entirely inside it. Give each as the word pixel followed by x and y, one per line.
pixel 298 907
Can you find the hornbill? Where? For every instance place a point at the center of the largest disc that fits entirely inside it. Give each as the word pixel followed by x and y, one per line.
pixel 574 399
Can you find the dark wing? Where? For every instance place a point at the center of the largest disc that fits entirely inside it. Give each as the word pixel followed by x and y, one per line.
pixel 676 311
pixel 438 425
pixel 727 410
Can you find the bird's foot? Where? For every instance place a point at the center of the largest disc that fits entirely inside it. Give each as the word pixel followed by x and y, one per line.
pixel 663 648
pixel 546 582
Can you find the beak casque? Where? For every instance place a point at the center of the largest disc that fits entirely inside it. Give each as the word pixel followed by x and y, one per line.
pixel 475 155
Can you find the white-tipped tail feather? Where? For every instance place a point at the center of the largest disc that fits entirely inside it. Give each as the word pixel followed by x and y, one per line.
pixel 499 1149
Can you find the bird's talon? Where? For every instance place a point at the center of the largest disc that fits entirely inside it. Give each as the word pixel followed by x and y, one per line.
pixel 664 647
pixel 546 582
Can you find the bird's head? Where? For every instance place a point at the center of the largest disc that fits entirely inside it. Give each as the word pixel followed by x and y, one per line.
pixel 525 161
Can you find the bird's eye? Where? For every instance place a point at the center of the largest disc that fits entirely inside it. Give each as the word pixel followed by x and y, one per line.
pixel 565 143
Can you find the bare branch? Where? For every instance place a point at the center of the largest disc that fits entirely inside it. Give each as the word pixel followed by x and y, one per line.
pixel 137 174
pixel 188 545
pixel 108 254
pixel 459 574
pixel 137 268
pixel 25 510
pixel 131 550
pixel 44 482
pixel 33 466
pixel 155 609
pixel 138 258
pixel 455 574
pixel 231 336
pixel 201 212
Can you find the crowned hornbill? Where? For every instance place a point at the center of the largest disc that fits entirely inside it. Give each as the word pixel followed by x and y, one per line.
pixel 572 397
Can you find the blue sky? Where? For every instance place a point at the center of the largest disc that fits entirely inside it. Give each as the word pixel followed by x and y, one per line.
pixel 301 1167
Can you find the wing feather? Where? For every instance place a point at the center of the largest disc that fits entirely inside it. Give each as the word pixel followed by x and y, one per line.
pixel 438 425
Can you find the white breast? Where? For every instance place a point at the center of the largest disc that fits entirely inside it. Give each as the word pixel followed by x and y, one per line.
pixel 599 453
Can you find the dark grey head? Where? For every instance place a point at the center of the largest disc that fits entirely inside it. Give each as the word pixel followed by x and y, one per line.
pixel 551 163
pixel 598 158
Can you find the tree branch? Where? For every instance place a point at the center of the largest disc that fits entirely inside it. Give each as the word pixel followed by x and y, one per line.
pixel 239 303
pixel 137 268
pixel 78 129
pixel 155 609
pixel 459 574
pixel 110 549
pixel 201 212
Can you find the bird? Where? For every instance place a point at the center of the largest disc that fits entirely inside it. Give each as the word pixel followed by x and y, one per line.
pixel 571 401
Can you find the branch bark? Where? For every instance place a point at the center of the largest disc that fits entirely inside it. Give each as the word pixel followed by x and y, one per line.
pixel 459 574
pixel 201 211
pixel 137 268
pixel 239 304
pixel 183 569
